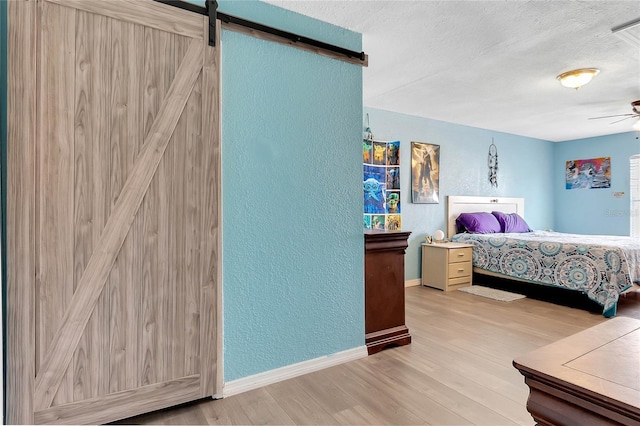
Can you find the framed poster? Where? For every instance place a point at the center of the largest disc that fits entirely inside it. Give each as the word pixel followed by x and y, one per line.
pixel 381 185
pixel 425 173
pixel 593 173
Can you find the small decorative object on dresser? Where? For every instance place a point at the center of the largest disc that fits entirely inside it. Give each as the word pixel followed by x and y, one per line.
pixel 447 266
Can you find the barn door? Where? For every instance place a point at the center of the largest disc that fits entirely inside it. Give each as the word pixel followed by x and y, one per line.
pixel 113 178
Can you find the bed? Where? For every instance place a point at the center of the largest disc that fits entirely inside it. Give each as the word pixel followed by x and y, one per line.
pixel 599 266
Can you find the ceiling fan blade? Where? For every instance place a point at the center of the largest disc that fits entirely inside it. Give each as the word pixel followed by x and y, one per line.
pixel 611 116
pixel 626 118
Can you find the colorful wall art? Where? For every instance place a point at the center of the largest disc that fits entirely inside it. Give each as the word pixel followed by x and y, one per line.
pixel 425 173
pixel 381 185
pixel 593 173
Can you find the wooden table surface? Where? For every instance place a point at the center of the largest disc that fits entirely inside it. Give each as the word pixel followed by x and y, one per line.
pixel 592 377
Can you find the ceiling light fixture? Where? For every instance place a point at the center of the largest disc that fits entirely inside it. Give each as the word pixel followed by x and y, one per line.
pixel 575 79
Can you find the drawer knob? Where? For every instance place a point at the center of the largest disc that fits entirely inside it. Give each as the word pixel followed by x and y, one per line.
pixel 460 254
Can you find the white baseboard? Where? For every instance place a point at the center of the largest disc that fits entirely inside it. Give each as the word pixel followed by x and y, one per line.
pixel 412 283
pixel 290 371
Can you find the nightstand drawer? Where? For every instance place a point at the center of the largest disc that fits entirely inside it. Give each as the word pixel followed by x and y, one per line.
pixel 462 269
pixel 460 255
pixel 455 283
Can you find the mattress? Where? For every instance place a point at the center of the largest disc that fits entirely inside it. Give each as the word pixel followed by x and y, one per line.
pixel 600 266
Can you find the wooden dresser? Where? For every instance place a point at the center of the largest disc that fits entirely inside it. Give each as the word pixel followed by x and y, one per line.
pixel 447 266
pixel 590 378
pixel 384 289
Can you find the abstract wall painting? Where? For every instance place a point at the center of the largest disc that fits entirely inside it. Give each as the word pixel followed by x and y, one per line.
pixel 425 173
pixel 381 185
pixel 594 173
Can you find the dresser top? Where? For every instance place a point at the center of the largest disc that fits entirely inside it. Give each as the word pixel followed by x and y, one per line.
pixel 448 245
pixel 384 232
pixel 599 364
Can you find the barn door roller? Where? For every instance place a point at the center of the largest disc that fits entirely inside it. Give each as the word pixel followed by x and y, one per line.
pixel 212 11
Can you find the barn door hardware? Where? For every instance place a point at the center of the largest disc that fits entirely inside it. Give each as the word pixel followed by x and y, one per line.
pixel 258 30
pixel 274 34
pixel 212 11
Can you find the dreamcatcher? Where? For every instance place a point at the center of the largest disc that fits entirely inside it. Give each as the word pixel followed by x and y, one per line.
pixel 492 162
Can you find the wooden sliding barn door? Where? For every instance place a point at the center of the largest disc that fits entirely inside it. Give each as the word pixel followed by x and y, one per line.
pixel 112 221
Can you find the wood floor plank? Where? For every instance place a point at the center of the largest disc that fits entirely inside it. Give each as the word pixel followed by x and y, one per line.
pixel 380 403
pixel 497 378
pixel 328 395
pixel 357 415
pixel 389 374
pixel 299 405
pixel 450 394
pixel 227 411
pixel 444 354
pixel 261 409
pixel 457 370
pixel 186 414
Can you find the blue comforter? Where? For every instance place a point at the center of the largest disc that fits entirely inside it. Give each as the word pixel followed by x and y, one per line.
pixel 602 267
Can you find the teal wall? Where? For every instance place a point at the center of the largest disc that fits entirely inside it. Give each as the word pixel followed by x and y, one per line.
pixel 525 169
pixel 292 196
pixel 594 211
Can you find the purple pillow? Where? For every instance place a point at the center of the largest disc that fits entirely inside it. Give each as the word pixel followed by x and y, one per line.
pixel 478 223
pixel 511 222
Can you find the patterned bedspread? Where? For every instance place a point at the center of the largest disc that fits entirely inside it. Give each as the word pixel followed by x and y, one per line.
pixel 600 266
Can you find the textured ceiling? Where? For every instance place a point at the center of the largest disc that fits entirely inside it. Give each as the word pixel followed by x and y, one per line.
pixel 493 64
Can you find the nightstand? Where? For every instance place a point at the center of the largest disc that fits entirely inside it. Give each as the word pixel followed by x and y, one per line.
pixel 447 266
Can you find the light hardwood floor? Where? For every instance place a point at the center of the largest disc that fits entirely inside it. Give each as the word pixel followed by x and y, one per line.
pixel 457 370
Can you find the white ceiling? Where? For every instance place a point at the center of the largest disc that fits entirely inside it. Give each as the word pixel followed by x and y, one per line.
pixel 493 64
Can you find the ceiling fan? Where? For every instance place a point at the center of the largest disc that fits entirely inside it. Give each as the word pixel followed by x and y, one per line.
pixel 635 107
